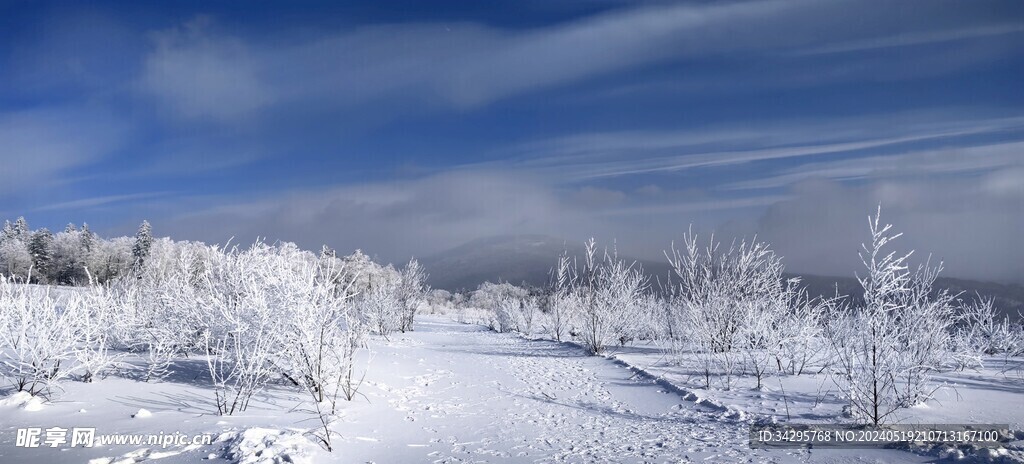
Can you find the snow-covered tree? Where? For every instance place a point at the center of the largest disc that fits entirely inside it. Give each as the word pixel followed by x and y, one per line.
pixel 88 239
pixel 40 247
pixel 507 309
pixel 411 291
pixel 726 301
pixel 503 301
pixel 800 342
pixel 21 229
pixel 608 292
pixel 143 242
pixel 358 270
pixel 561 299
pixel 7 233
pixel 68 260
pixel 439 301
pixel 109 259
pixel 381 305
pixel 15 260
pixel 983 332
pixel 888 348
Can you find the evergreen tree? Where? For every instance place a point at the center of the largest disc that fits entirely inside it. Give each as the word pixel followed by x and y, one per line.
pixel 7 233
pixel 21 229
pixel 88 240
pixel 40 247
pixel 143 242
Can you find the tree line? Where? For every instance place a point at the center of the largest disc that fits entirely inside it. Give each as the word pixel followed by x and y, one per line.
pixel 71 257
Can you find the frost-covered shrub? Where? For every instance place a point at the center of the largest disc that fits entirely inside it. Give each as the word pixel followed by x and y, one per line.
pixel 38 338
pixel 246 293
pixel 319 334
pixel 649 314
pixel 607 293
pixel 529 307
pixel 721 289
pixel 381 306
pixel 507 310
pixel 560 302
pixel 256 314
pixel 163 305
pixel 48 335
pixel 95 328
pixel 800 342
pixel 411 291
pixel 502 302
pixel 439 301
pixel 727 306
pixel 982 332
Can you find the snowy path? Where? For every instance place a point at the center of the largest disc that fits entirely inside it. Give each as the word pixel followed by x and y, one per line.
pixel 459 393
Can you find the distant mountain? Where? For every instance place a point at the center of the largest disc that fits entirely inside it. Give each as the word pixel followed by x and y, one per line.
pixel 528 259
pixel 1008 299
pixel 508 258
pixel 517 259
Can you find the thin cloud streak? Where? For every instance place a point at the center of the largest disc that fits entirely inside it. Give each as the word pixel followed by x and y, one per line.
pixel 698 206
pixel 595 156
pixel 941 161
pixel 911 39
pixel 101 201
pixel 41 147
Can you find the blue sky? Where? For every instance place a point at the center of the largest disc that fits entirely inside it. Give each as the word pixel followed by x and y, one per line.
pixel 407 128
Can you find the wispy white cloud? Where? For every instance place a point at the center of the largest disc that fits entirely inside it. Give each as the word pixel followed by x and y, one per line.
pixel 99 201
pixel 914 38
pixel 40 148
pixel 934 162
pixel 201 77
pixel 613 154
pixel 202 71
pixel 703 206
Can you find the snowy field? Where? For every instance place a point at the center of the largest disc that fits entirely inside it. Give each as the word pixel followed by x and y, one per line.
pixel 453 392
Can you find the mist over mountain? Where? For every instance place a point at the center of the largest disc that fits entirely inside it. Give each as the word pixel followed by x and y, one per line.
pixel 527 259
pixel 517 259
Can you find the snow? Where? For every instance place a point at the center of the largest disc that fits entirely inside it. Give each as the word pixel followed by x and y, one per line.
pixel 23 400
pixel 451 392
pixel 991 395
pixel 466 394
pixel 268 446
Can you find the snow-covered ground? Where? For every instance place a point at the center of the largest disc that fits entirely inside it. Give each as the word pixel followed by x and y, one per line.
pixel 452 392
pixel 993 394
